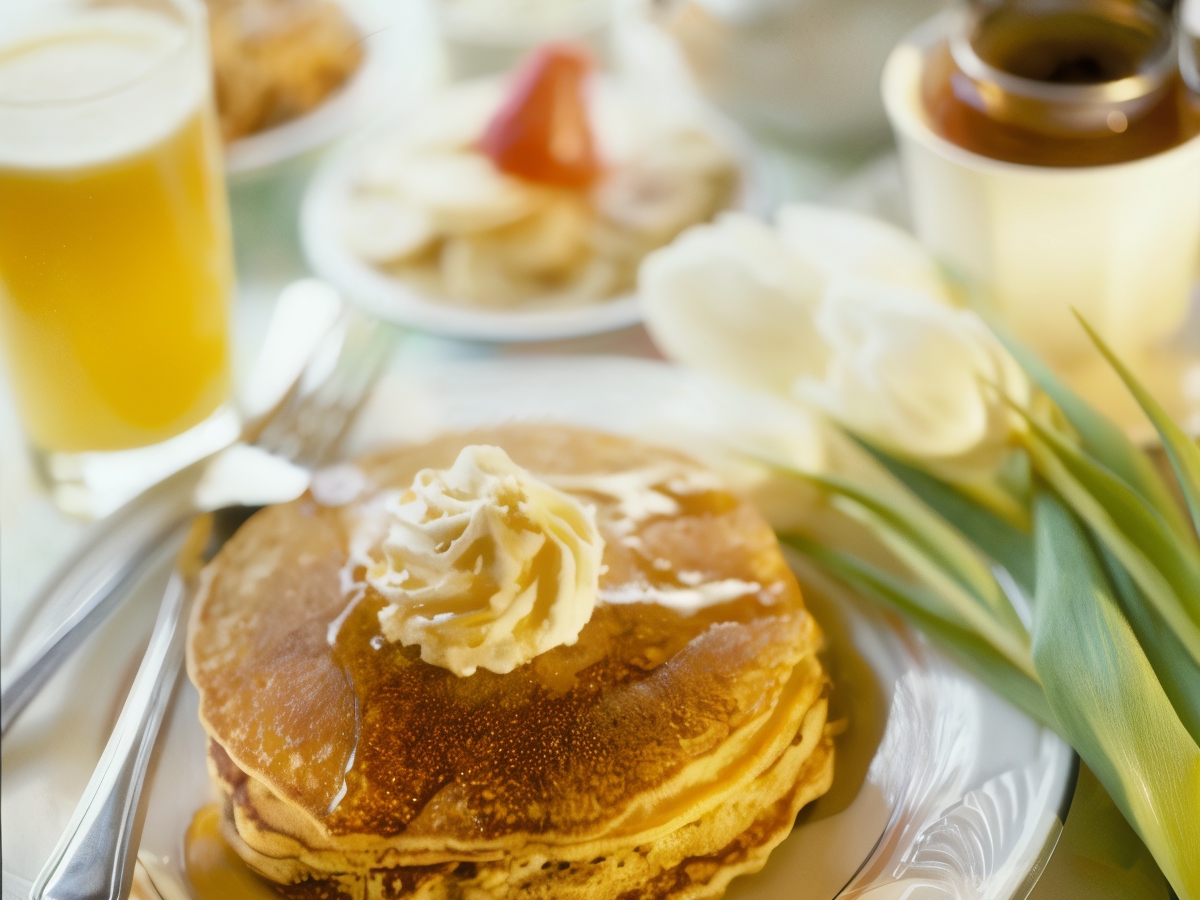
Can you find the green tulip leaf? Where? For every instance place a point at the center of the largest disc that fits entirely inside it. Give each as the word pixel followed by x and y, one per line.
pixel 909 524
pixel 1167 573
pixel 1182 450
pixel 996 538
pixel 957 605
pixel 1099 437
pixel 1177 671
pixel 1107 701
pixel 924 609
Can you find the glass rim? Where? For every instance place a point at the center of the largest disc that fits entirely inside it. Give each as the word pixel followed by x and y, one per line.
pixel 1151 77
pixel 193 19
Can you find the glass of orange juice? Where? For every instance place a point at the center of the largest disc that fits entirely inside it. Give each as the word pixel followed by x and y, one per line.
pixel 115 256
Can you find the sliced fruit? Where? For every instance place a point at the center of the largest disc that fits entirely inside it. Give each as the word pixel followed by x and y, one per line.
pixel 542 132
pixel 654 202
pixel 464 193
pixel 473 274
pixel 382 229
pixel 547 243
pixel 689 149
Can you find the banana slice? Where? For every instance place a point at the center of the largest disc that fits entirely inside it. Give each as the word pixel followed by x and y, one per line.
pixel 451 125
pixel 619 244
pixel 383 229
pixel 688 149
pixel 454 120
pixel 548 243
pixel 597 280
pixel 380 167
pixel 520 263
pixel 475 274
pixel 463 193
pixel 654 202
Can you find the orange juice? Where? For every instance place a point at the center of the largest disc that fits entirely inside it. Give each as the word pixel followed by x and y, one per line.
pixel 115 261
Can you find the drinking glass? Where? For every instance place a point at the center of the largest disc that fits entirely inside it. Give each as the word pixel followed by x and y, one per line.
pixel 115 255
pixel 1116 242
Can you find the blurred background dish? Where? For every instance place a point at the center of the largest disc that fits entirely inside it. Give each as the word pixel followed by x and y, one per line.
pixel 296 75
pixel 275 60
pixel 805 71
pixel 448 266
pixel 289 70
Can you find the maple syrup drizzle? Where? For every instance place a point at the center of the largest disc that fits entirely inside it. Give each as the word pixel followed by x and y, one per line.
pixel 214 871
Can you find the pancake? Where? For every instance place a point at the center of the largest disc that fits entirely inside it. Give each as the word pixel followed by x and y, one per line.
pixel 664 752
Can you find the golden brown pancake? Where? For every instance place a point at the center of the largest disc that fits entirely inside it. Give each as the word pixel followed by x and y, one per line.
pixel 659 756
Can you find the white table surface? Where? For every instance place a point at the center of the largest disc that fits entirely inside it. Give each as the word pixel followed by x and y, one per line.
pixel 34 534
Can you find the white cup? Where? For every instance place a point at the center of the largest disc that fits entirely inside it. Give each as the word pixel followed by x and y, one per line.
pixel 1119 243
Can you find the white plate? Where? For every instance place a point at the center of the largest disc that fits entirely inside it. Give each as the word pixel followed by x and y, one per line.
pixel 398 301
pixel 941 789
pixel 398 62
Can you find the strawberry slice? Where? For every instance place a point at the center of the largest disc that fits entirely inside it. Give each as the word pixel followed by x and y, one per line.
pixel 541 132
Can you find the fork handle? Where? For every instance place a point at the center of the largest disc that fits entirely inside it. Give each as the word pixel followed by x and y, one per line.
pixel 95 857
pixel 92 580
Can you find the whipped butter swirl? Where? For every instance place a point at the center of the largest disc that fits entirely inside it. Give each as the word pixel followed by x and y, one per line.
pixel 486 566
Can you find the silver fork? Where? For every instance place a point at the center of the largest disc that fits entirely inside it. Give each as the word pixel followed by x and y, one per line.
pixel 95 857
pixel 299 429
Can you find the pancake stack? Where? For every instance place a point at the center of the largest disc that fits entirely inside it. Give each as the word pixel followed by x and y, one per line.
pixel 666 751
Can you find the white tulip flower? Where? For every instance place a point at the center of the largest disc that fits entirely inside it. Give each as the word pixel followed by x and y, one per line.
pixel 843 243
pixel 729 298
pixel 924 381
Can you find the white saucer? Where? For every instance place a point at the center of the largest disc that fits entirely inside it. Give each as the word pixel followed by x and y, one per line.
pixel 398 62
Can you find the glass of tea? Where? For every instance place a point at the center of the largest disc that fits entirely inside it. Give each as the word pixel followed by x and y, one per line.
pixel 115 257
pixel 1078 83
pixel 1051 150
